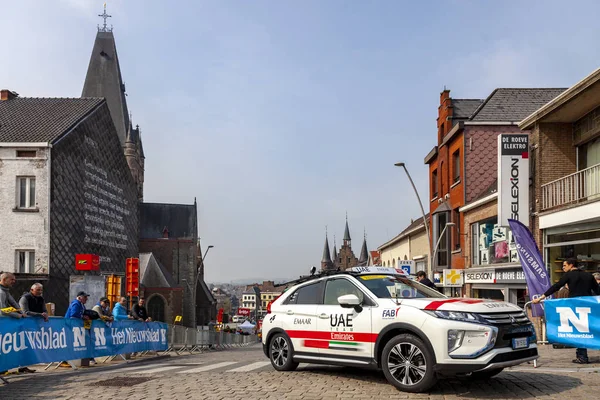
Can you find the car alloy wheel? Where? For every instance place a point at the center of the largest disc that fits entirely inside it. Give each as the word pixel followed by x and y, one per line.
pixel 407 364
pixel 281 353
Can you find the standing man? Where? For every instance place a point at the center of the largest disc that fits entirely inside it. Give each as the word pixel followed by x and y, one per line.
pixel 33 304
pixel 138 311
pixel 580 283
pixel 7 280
pixel 423 279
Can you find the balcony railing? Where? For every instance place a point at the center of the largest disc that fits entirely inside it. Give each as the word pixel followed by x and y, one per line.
pixel 579 187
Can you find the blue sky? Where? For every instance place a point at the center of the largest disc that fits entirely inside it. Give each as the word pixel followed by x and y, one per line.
pixel 280 117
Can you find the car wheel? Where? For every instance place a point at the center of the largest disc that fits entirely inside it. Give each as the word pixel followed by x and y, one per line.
pixel 407 364
pixel 281 353
pixel 488 373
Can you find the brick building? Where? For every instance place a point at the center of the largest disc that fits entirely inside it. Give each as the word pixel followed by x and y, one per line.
pixel 469 185
pixel 345 258
pixel 565 165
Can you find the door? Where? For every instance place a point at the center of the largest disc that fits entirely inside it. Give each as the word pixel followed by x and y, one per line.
pixel 344 333
pixel 299 317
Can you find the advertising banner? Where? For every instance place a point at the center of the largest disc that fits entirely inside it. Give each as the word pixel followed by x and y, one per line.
pixel 536 274
pixel 574 322
pixel 29 341
pixel 513 179
pixel 245 312
pixel 453 278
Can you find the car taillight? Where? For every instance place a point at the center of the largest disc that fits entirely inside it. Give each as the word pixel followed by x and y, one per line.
pixel 271 302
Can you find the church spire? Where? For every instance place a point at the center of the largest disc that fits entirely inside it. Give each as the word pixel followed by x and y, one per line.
pixel 363 260
pixel 335 254
pixel 105 16
pixel 347 232
pixel 326 262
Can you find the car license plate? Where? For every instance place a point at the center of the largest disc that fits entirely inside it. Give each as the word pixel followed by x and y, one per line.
pixel 520 343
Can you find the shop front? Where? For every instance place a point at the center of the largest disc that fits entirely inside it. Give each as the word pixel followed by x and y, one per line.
pixel 505 283
pixel 579 241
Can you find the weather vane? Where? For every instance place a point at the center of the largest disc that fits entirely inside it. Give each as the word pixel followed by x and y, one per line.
pixel 105 16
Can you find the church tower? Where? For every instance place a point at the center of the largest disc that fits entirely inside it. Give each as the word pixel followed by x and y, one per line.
pixel 104 79
pixel 326 262
pixel 363 260
pixel 346 258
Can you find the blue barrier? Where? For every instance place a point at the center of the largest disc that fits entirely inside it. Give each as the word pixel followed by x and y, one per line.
pixel 29 341
pixel 574 321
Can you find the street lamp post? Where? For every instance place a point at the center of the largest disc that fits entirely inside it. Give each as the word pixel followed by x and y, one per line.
pixel 196 284
pixel 401 164
pixel 439 241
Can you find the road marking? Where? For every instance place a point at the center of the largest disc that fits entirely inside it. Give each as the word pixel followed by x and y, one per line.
pixel 208 367
pixel 250 367
pixel 159 369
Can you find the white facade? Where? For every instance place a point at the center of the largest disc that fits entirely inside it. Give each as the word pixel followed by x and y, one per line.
pixel 249 301
pixel 24 217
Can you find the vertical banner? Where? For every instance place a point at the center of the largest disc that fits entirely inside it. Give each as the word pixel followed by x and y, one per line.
pixel 513 179
pixel 536 273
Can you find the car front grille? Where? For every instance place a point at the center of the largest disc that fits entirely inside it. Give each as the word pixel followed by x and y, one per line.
pixel 511 318
pixel 510 325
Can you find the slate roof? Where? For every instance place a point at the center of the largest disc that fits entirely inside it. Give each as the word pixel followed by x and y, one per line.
pixel 363 260
pixel 154 274
pixel 413 225
pixel 30 119
pixel 179 219
pixel 326 255
pixel 103 79
pixel 514 104
pixel 464 108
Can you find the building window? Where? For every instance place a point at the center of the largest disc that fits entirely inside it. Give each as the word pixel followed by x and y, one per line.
pixel 456 166
pixel 434 184
pixel 456 229
pixel 25 261
pixel 492 244
pixel 442 249
pixel 26 191
pixel 26 153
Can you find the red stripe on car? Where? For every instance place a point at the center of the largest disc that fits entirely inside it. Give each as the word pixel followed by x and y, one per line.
pixel 338 336
pixel 434 305
pixel 318 344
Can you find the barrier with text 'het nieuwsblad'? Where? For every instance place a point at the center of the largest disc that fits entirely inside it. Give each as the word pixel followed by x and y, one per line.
pixel 574 321
pixel 29 341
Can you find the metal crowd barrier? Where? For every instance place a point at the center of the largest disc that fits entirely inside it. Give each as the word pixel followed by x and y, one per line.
pixel 539 324
pixel 182 339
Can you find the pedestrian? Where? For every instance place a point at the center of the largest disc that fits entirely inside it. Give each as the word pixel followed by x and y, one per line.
pixel 119 311
pixel 77 307
pixel 9 305
pixel 139 312
pixel 424 280
pixel 597 277
pixel 580 283
pixel 103 309
pixel 32 303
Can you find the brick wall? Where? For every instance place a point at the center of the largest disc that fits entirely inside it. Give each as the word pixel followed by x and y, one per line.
pixel 554 157
pixel 481 157
pixel 24 230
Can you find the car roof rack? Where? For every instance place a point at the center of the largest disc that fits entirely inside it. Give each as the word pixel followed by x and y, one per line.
pixel 318 275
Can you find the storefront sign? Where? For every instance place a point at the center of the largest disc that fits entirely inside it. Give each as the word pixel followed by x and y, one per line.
pixel 453 278
pixel 513 179
pixel 510 276
pixel 488 276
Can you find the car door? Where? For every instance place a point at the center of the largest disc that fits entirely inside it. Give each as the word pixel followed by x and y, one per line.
pixel 300 317
pixel 345 332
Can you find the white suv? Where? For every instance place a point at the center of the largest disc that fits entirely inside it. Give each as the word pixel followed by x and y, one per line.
pixel 378 317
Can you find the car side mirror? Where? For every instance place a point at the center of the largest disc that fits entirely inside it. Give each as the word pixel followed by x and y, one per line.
pixel 350 301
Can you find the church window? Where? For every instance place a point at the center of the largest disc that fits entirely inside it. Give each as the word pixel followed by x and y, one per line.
pixel 156 308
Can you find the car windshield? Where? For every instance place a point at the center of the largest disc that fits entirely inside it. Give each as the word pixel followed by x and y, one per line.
pixel 397 287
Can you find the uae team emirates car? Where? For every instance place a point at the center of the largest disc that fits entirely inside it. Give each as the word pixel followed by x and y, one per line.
pixel 378 317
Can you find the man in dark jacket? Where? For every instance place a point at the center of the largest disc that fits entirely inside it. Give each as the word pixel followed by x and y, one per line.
pixel 33 304
pixel 422 279
pixel 138 311
pixel 580 283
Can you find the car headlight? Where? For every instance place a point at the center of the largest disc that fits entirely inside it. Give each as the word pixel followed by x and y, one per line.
pixel 458 316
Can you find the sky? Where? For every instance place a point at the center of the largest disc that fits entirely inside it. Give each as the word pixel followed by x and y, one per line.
pixel 281 117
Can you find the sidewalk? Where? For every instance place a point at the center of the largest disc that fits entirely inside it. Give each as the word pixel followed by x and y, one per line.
pixel 552 359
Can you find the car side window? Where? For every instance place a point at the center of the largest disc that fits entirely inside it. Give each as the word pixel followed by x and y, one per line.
pixel 340 287
pixel 309 294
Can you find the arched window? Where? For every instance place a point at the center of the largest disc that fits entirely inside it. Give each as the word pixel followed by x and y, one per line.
pixel 156 308
pixel 394 262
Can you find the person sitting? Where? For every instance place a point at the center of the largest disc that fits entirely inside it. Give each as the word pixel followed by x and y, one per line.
pixel 139 312
pixel 119 311
pixel 103 310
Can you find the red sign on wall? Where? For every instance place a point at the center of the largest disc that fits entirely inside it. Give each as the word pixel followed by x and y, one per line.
pixel 87 262
pixel 220 316
pixel 245 312
pixel 132 276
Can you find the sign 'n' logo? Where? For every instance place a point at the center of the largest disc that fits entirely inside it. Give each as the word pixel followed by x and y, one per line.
pixel 579 321
pixel 100 338
pixel 78 337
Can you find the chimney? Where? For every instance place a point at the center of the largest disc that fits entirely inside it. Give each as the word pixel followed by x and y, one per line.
pixel 6 94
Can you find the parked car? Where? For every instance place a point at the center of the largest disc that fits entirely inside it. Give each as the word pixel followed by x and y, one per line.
pixel 378 317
